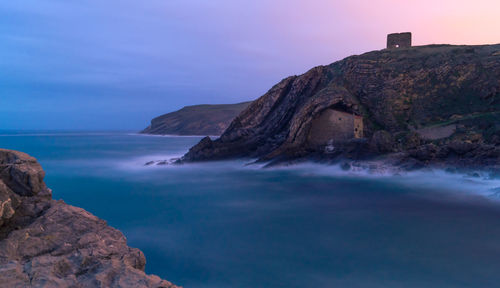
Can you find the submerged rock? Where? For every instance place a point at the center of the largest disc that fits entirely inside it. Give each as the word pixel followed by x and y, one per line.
pixel 345 166
pixel 47 243
pixel 162 162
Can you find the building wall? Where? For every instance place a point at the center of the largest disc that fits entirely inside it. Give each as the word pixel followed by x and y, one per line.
pixel 335 126
pixel 358 127
pixel 399 40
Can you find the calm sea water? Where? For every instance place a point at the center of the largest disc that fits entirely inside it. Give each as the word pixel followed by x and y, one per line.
pixel 228 225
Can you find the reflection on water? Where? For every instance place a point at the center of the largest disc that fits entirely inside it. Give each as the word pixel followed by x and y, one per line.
pixel 227 225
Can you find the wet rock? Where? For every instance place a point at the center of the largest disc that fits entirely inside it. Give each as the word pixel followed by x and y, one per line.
pixel 412 164
pixel 201 151
pixel 355 149
pixel 345 166
pixel 425 152
pixel 170 161
pixel 474 174
pixel 461 148
pixel 411 141
pixel 382 142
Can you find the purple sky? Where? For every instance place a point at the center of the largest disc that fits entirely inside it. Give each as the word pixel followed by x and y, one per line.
pixel 116 64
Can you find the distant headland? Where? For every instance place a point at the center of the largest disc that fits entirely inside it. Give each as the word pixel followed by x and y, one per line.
pixel 196 120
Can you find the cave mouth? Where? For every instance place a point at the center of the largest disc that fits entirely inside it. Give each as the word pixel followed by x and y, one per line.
pixel 340 106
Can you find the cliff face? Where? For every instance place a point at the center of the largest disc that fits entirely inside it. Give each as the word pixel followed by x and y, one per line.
pixel 47 243
pixel 430 103
pixel 196 120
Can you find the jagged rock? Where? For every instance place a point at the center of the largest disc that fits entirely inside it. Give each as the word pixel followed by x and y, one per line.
pixel 411 140
pixel 425 152
pixel 461 147
pixel 199 150
pixel 22 173
pixel 448 92
pixel 355 149
pixel 382 142
pixel 47 243
pixel 345 166
pixel 162 162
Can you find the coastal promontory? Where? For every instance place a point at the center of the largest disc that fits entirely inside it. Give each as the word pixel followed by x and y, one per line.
pixel 419 106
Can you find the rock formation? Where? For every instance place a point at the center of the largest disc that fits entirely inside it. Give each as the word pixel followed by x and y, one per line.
pixel 431 104
pixel 196 120
pixel 47 243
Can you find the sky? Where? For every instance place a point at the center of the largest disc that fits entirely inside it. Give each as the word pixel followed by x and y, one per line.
pixel 116 64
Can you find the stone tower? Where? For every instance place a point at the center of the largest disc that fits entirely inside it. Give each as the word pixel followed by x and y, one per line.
pixel 399 40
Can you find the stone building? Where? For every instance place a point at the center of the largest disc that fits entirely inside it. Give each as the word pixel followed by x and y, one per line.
pixel 334 126
pixel 399 40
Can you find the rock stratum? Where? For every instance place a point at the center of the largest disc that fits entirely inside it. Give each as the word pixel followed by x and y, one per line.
pixel 426 105
pixel 196 120
pixel 47 243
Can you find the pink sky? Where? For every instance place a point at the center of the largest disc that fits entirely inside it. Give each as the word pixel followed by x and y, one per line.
pixel 432 21
pixel 318 32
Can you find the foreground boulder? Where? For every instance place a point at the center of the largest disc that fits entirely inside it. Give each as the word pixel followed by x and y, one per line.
pixel 398 100
pixel 47 243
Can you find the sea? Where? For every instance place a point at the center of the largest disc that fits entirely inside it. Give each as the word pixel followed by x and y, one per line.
pixel 229 224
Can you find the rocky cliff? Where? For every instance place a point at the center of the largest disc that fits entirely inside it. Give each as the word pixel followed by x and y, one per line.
pixel 196 120
pixel 427 104
pixel 47 243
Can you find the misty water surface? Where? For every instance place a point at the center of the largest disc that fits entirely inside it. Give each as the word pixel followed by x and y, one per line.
pixel 224 224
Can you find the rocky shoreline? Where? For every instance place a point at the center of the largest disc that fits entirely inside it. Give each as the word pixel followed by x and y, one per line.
pixel 48 243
